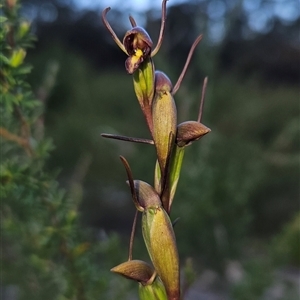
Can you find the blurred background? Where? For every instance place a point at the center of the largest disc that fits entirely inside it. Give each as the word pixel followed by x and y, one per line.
pixel 238 196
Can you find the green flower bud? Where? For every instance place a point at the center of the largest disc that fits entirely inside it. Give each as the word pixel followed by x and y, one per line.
pixel 153 291
pixel 164 115
pixel 162 82
pixel 159 236
pixel 160 241
pixel 23 29
pixel 158 233
pixel 146 194
pixel 17 57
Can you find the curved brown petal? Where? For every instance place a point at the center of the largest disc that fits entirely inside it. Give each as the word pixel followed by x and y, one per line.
pixel 109 28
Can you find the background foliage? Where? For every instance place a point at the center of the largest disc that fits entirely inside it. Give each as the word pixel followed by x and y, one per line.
pixel 45 252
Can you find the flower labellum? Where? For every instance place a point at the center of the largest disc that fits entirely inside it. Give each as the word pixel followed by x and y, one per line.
pixel 138 45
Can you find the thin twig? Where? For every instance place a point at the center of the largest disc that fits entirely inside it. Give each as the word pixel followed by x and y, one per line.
pixel 23 142
pixel 127 138
pixel 25 129
pixel 132 235
pixel 202 99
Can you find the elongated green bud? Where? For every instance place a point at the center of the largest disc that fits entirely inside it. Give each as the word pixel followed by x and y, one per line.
pixel 164 116
pixel 160 241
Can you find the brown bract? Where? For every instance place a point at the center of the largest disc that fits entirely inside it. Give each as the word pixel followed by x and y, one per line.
pixel 162 82
pixel 136 270
pixel 146 194
pixel 190 131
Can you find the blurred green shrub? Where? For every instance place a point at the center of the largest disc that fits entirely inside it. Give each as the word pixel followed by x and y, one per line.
pixel 246 182
pixel 257 277
pixel 251 153
pixel 286 244
pixel 218 204
pixel 45 252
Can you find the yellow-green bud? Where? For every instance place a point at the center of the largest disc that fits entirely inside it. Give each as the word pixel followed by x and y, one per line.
pixel 153 291
pixel 160 241
pixel 164 115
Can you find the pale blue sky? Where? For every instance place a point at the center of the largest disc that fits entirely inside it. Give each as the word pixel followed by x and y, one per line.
pixel 134 5
pixel 259 17
pixel 285 9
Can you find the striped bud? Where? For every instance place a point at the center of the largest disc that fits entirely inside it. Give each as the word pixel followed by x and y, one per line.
pixel 160 241
pixel 136 270
pixel 164 115
pixel 190 131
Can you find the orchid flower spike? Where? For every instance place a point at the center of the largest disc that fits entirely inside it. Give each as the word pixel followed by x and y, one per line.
pixel 137 44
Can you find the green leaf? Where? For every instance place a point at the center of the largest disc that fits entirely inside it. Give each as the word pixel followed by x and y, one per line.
pixel 153 291
pixel 4 59
pixel 2 19
pixel 23 70
pixel 17 57
pixel 23 29
pixel 174 174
